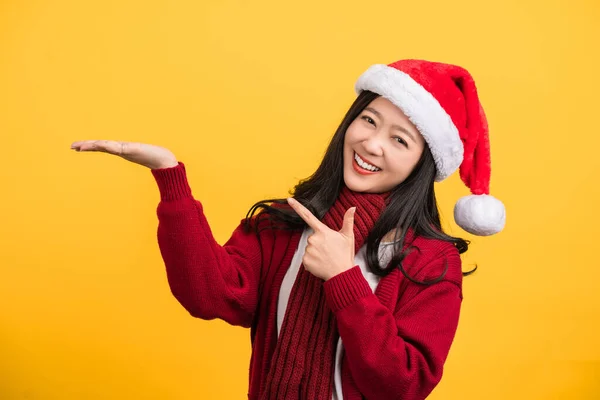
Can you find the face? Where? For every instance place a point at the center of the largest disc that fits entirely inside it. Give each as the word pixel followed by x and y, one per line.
pixel 381 148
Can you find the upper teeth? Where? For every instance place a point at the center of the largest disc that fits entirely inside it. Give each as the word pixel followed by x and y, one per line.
pixel 364 164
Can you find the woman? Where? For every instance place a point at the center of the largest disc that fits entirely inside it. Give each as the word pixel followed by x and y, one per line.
pixel 350 288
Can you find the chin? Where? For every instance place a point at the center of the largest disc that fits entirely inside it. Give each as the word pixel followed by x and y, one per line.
pixel 355 186
pixel 361 187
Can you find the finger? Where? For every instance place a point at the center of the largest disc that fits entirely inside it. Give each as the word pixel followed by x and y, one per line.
pixel 348 225
pixel 77 145
pixel 106 146
pixel 88 145
pixel 307 261
pixel 306 215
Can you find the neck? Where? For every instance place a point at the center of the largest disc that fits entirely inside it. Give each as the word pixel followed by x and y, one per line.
pixel 377 199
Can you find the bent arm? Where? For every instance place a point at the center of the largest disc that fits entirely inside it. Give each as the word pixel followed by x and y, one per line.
pixel 396 355
pixel 209 280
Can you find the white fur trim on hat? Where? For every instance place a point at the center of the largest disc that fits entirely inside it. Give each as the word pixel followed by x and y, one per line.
pixel 481 215
pixel 422 109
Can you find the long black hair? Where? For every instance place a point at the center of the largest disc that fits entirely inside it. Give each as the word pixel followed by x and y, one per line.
pixel 410 205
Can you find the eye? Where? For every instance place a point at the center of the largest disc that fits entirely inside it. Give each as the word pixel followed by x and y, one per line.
pixel 368 119
pixel 401 141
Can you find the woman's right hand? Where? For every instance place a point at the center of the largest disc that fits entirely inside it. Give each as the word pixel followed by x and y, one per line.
pixel 148 155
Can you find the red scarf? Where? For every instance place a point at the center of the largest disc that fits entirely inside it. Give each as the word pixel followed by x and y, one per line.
pixel 303 364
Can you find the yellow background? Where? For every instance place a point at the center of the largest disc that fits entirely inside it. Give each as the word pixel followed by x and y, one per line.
pixel 247 94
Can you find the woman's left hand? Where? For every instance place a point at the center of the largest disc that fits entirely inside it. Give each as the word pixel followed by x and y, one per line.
pixel 328 252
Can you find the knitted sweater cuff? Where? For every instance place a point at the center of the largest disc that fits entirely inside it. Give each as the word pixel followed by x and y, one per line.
pixel 172 183
pixel 346 288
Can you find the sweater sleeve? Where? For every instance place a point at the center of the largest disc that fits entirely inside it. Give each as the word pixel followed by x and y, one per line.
pixel 396 355
pixel 209 280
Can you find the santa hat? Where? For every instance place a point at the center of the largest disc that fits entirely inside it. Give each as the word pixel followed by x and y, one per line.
pixel 441 101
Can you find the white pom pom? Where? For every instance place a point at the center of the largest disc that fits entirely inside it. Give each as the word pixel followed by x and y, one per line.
pixel 481 215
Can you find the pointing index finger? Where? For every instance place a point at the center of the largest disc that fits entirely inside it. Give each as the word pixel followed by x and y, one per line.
pixel 306 215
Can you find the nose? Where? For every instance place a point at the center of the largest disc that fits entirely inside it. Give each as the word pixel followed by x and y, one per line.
pixel 374 145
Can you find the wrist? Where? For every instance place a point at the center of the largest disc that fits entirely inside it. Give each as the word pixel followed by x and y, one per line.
pixel 166 164
pixel 346 288
pixel 172 183
pixel 339 271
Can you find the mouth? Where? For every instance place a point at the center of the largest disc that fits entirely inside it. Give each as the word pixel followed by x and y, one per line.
pixel 364 167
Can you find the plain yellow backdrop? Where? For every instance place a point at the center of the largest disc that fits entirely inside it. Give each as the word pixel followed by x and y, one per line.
pixel 247 94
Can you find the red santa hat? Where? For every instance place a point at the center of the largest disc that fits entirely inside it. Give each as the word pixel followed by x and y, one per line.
pixel 441 101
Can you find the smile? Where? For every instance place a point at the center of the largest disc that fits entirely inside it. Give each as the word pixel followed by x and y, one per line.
pixel 363 167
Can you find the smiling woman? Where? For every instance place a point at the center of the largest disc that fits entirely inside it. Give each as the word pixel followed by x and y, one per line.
pixel 359 248
pixel 382 144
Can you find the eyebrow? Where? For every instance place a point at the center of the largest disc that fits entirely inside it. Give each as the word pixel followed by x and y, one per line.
pixel 400 128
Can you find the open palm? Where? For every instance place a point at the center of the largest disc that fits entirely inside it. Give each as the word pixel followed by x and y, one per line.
pixel 148 155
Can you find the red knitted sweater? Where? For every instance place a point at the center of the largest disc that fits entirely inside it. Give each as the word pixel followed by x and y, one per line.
pixel 396 340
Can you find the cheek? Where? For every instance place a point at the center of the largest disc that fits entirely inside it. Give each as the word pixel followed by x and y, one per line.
pixel 404 163
pixel 355 133
pixel 414 158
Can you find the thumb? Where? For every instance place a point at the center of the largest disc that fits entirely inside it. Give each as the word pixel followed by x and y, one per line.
pixel 348 225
